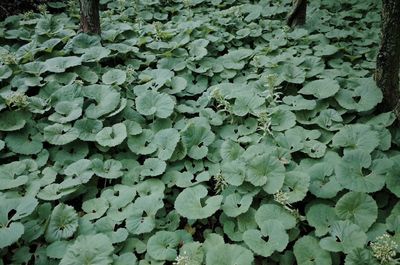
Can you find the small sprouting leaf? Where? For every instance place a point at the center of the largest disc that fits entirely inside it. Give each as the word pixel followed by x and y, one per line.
pixel 63 223
pixel 188 203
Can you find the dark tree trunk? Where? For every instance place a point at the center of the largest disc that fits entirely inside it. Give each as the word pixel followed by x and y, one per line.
pixel 298 15
pixel 388 60
pixel 90 17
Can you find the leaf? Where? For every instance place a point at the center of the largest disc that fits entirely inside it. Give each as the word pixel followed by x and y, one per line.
pixel 272 237
pixel 267 171
pixel 166 141
pixel 282 120
pixel 110 169
pixel 81 42
pixel 25 141
pixel 112 136
pixel 360 208
pixel 5 72
pixel 63 223
pixel 12 120
pixel 392 178
pixel 307 252
pixel 95 208
pixel 299 103
pixel 89 249
pixel 296 185
pixel 11 234
pixel 161 246
pixel 345 237
pixel 153 167
pixel 235 204
pixel 107 100
pixel 229 254
pixel 356 172
pixel 67 111
pixel 154 103
pixel 88 128
pixel 188 203
pixel 356 137
pixel 114 76
pixel 59 134
pixel 61 64
pixel 272 212
pixel 363 95
pixel 196 138
pixel 321 89
pixel 95 54
pixel 360 257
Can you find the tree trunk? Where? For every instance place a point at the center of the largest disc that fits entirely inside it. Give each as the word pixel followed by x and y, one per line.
pixel 90 17
pixel 388 60
pixel 298 15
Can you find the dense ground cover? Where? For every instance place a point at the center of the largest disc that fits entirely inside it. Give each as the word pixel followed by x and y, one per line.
pixel 196 132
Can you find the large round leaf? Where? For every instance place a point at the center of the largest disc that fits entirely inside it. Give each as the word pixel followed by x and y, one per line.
pixel 308 252
pixel 154 103
pixel 358 207
pixel 112 136
pixel 188 203
pixel 162 245
pixel 321 89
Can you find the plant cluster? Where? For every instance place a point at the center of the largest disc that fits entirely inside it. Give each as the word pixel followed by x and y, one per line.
pixel 196 132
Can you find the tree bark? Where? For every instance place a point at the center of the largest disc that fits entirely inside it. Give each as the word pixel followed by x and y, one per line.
pixel 388 60
pixel 90 17
pixel 298 15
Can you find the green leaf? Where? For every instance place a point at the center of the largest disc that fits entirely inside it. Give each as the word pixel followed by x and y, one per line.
pixel 344 237
pixel 282 120
pixel 59 134
pixel 63 223
pixel 196 138
pixel 112 136
pixel 363 95
pixel 188 203
pixel 267 171
pixel 235 204
pixel 114 76
pixel 61 64
pixel 154 103
pixel 25 141
pixel 107 99
pixel 356 172
pixel 11 234
pixel 89 249
pixel 166 141
pixel 296 185
pixel 110 169
pixel 392 178
pixel 360 257
pixel 360 208
pixel 5 72
pixel 67 111
pixel 95 54
pixel 229 254
pixel 271 238
pixel 324 88
pixel 308 252
pixel 153 167
pixel 12 120
pixel 162 245
pixel 356 137
pixel 272 212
